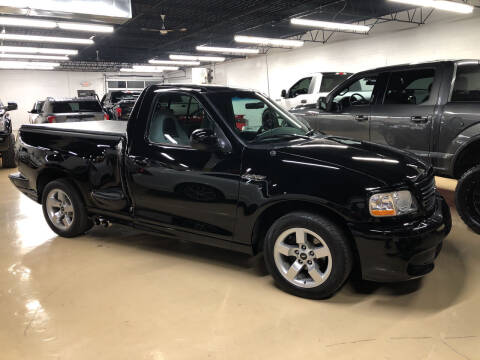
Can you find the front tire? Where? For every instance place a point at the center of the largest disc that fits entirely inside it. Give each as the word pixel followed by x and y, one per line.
pixel 8 156
pixel 467 198
pixel 308 255
pixel 64 210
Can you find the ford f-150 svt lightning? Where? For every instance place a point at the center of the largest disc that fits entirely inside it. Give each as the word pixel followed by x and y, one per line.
pixel 317 206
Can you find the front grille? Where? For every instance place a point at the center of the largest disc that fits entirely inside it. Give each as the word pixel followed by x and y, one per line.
pixel 426 191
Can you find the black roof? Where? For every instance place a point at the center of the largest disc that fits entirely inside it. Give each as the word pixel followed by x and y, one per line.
pixel 393 67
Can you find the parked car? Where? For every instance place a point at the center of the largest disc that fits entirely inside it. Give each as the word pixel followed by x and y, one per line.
pixel 7 139
pixel 431 109
pixel 306 91
pixel 70 110
pixel 182 168
pixel 119 104
pixel 35 112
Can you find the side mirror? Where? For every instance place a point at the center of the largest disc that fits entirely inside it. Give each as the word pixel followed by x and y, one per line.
pixel 204 140
pixel 322 103
pixel 12 106
pixel 284 94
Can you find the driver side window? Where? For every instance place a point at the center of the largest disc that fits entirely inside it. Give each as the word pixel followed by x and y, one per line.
pixel 359 92
pixel 300 88
pixel 175 117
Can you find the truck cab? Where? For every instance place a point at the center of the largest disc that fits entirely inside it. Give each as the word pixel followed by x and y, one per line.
pixel 306 91
pixel 431 109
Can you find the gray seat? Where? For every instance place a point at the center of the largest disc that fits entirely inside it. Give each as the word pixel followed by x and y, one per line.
pixel 165 128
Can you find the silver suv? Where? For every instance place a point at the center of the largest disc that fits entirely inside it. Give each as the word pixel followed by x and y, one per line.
pixel 70 110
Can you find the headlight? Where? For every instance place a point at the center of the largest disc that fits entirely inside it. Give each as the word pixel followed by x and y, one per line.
pixel 392 204
pixel 2 125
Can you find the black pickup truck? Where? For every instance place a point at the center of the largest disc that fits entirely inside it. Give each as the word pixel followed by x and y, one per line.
pixel 431 109
pixel 315 205
pixel 119 104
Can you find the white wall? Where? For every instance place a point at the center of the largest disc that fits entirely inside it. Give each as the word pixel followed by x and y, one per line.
pixel 443 37
pixel 27 86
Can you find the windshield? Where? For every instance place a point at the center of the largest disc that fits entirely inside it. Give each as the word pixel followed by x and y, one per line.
pixel 329 81
pixel 76 106
pixel 124 95
pixel 256 118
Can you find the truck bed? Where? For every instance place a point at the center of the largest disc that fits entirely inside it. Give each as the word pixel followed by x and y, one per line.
pixel 102 128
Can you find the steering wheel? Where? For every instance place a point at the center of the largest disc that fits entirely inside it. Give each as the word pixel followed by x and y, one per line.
pixel 354 101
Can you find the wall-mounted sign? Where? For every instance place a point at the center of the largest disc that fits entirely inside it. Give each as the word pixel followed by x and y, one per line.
pixel 85 84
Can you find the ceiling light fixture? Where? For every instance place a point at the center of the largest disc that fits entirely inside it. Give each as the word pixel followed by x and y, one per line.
pixel 49 24
pixel 162 68
pixel 326 25
pixel 174 62
pixel 262 41
pixel 52 39
pixel 452 6
pixel 197 58
pixel 24 65
pixel 34 50
pixel 34 57
pixel 227 50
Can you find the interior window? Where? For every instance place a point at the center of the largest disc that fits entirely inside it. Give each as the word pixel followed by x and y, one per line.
pixel 410 87
pixel 175 117
pixel 467 84
pixel 300 88
pixel 359 92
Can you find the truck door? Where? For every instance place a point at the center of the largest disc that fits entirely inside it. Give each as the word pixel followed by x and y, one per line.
pixel 350 112
pixel 298 94
pixel 173 186
pixel 403 117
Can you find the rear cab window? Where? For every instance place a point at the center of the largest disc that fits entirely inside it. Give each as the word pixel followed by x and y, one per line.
pixel 331 80
pixel 409 87
pixel 467 83
pixel 76 106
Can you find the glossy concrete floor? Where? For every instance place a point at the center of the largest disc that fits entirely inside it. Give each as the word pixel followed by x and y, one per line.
pixel 120 294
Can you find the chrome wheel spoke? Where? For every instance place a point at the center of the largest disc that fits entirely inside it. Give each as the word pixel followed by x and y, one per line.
pixel 54 203
pixel 285 249
pixel 321 252
pixel 294 270
pixel 68 208
pixel 316 274
pixel 300 236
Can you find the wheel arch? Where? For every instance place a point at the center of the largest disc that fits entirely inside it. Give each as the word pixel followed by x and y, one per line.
pixel 466 157
pixel 275 211
pixel 51 174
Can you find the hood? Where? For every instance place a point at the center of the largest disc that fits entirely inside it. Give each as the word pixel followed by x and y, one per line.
pixel 387 165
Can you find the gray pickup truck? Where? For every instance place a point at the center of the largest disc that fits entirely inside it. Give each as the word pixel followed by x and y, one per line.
pixel 431 109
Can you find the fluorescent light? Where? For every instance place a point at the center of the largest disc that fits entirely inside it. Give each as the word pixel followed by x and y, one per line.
pixel 34 50
pixel 197 58
pixel 174 62
pixel 48 24
pixel 24 65
pixel 34 57
pixel 85 27
pixel 52 39
pixel 440 5
pixel 227 50
pixel 268 41
pixel 330 25
pixel 162 68
pixel 16 21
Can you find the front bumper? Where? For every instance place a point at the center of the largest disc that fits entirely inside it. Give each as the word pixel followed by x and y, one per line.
pixel 5 141
pixel 405 251
pixel 23 185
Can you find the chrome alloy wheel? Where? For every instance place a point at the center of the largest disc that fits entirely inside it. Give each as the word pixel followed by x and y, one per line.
pixel 60 209
pixel 302 257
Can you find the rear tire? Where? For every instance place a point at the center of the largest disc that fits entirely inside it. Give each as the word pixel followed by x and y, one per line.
pixel 8 157
pixel 467 198
pixel 308 255
pixel 64 209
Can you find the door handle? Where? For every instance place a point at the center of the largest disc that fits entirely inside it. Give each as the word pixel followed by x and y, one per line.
pixel 419 119
pixel 361 117
pixel 303 101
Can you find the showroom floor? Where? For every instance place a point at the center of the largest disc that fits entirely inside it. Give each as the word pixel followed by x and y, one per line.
pixel 121 294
